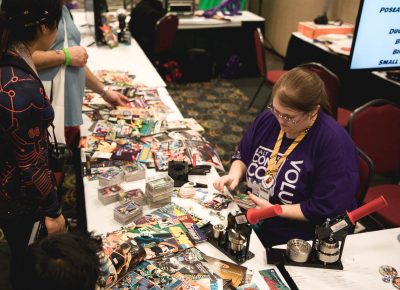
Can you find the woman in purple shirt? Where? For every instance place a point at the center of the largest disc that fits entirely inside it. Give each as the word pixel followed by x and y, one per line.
pixel 296 155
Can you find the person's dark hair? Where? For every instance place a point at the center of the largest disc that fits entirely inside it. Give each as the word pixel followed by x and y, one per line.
pixel 302 90
pixel 66 261
pixel 20 20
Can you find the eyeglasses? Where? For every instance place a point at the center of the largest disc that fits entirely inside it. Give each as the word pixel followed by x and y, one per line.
pixel 285 118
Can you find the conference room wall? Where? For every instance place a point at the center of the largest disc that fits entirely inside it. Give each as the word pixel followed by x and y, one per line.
pixel 282 16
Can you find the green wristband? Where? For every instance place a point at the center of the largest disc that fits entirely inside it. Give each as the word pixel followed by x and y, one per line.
pixel 67 56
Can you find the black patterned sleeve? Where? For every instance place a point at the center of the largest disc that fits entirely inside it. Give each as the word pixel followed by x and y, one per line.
pixel 24 116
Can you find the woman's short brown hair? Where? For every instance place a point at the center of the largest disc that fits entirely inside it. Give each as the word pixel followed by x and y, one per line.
pixel 301 90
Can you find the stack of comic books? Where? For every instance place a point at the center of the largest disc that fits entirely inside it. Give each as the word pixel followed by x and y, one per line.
pixel 159 190
pixel 133 172
pixel 135 195
pixel 127 212
pixel 109 194
pixel 111 177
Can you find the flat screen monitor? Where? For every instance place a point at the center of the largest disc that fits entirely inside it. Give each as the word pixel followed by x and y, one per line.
pixel 376 43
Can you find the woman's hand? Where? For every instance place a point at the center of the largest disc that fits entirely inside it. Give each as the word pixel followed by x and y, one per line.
pixel 260 202
pixel 78 56
pixel 114 98
pixel 227 180
pixel 55 225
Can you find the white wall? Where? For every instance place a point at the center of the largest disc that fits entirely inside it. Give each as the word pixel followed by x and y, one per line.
pixel 282 16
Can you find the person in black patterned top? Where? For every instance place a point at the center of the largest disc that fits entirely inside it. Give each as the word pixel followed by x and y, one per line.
pixel 27 187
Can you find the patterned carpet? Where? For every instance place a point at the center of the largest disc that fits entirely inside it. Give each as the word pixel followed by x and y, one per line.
pixel 220 108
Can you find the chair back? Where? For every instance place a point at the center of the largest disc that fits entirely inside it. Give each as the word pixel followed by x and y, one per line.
pixel 375 129
pixel 366 169
pixel 165 34
pixel 259 46
pixel 331 80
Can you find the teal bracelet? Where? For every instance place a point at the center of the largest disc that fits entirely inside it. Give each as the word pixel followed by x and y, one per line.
pixel 67 56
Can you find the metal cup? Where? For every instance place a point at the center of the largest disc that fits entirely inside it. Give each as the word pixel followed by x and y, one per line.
pixel 298 250
pixel 218 230
pixel 236 240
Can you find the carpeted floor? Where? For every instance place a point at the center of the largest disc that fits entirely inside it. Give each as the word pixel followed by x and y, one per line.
pixel 221 108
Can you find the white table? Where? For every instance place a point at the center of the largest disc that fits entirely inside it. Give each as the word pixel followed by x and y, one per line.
pixel 100 220
pixel 363 254
pixel 199 22
pixel 99 217
pixel 123 57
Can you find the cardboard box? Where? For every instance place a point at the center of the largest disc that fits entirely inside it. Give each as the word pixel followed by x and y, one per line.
pixel 312 30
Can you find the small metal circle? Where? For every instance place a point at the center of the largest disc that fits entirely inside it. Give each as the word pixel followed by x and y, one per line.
pixel 386 279
pixel 387 271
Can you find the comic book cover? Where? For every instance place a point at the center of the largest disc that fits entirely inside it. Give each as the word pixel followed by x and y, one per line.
pixel 117 78
pixel 122 112
pixel 95 166
pixel 166 222
pixel 101 127
pixel 187 283
pixel 179 232
pixel 167 153
pixel 146 220
pixel 158 244
pixel 176 210
pixel 126 151
pixel 187 135
pixel 189 263
pixel 166 237
pixel 144 154
pixel 225 270
pixel 273 280
pixel 159 277
pixel 149 94
pixel 217 201
pixel 185 124
pixel 194 231
pixel 202 153
pixel 121 252
pixel 156 138
pixel 133 281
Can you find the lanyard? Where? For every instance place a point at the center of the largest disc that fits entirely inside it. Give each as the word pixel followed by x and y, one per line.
pixel 273 165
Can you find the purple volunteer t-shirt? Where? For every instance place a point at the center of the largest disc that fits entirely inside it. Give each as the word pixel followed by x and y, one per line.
pixel 321 174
